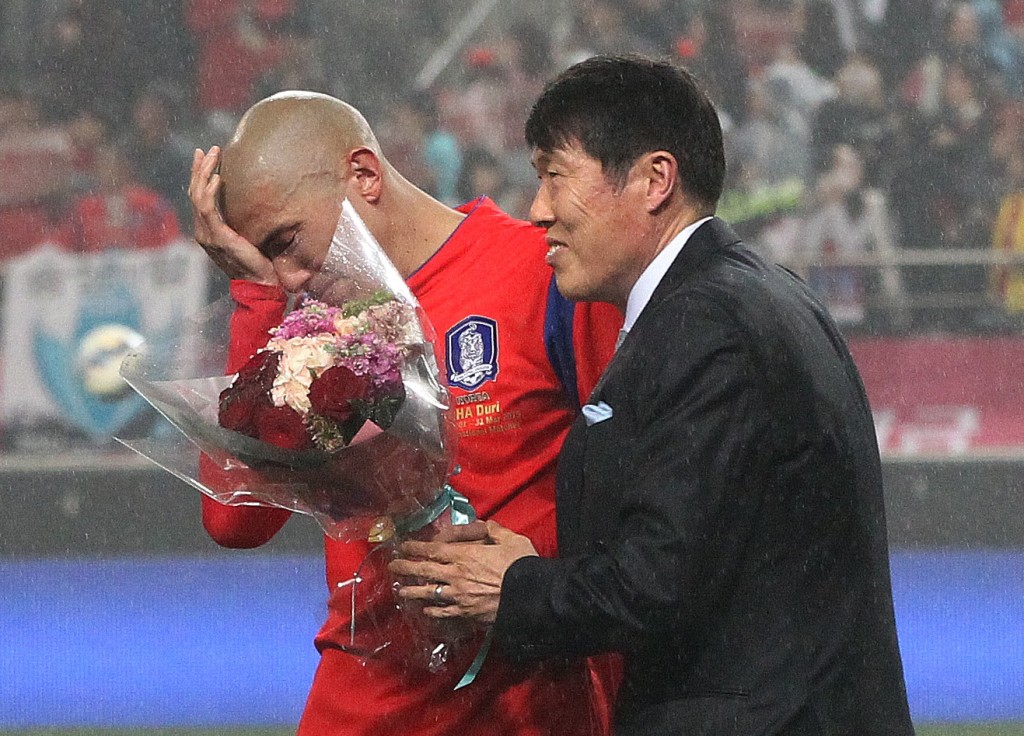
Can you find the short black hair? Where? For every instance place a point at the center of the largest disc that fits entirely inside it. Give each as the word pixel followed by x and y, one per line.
pixel 618 108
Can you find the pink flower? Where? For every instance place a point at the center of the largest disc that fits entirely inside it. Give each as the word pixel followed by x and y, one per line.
pixel 312 318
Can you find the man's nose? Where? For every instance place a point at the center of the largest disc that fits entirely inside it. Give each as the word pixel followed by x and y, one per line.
pixel 540 209
pixel 291 278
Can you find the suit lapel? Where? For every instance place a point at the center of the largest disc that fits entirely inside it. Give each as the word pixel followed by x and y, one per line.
pixel 569 485
pixel 709 240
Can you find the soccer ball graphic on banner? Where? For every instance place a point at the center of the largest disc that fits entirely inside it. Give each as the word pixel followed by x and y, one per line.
pixel 100 353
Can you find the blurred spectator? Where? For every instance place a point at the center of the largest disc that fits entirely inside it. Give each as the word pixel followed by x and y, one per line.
pixel 421 149
pixel 1008 135
pixel 1005 38
pixel 601 27
pixel 483 174
pixel 961 52
pixel 238 43
pixel 951 152
pixel 526 54
pixel 962 139
pixel 858 116
pixel 769 147
pixel 766 165
pixel 167 48
pixel 161 155
pixel 913 189
pixel 708 48
pixel 822 44
pixel 796 88
pixel 299 68
pixel 36 161
pixel 835 226
pixel 844 218
pixel 87 130
pixel 371 50
pixel 525 51
pixel 1013 24
pixel 966 42
pixel 960 42
pixel 758 27
pixel 120 213
pixel 90 57
pixel 475 109
pixel 903 37
pixel 659 22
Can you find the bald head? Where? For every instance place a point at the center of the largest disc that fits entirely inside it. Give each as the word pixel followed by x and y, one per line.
pixel 286 143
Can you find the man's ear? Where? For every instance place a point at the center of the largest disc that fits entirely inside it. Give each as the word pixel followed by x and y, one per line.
pixel 662 172
pixel 364 170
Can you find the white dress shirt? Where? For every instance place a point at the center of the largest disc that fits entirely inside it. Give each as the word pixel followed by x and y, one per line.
pixel 644 287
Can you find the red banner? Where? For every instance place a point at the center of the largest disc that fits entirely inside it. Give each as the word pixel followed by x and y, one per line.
pixel 945 396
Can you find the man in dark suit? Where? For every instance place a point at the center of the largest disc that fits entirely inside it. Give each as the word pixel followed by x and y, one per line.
pixel 720 510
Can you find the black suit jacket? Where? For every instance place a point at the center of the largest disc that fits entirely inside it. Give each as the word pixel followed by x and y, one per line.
pixel 724 527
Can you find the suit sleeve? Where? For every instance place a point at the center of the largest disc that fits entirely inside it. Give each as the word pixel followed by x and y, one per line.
pixel 258 308
pixel 675 458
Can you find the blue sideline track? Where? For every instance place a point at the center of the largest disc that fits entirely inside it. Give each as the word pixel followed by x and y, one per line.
pixel 209 642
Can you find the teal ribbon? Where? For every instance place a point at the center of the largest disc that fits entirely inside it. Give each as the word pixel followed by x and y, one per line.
pixel 478 661
pixel 462 513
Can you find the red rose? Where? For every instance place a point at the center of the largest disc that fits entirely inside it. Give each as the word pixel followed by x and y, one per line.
pixel 248 394
pixel 283 427
pixel 332 393
pixel 260 369
pixel 238 415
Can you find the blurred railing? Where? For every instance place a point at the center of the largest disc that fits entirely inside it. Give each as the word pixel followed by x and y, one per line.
pixel 900 283
pixel 457 39
pixel 914 257
pixel 893 297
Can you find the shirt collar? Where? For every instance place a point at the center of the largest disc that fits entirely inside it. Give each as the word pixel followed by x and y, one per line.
pixel 644 287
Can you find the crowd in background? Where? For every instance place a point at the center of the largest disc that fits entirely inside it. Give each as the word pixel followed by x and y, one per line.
pixel 852 126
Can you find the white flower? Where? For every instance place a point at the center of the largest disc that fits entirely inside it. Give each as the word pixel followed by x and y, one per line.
pixel 302 360
pixel 293 393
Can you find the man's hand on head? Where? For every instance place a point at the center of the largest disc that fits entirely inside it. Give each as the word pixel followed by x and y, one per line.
pixel 460 578
pixel 233 254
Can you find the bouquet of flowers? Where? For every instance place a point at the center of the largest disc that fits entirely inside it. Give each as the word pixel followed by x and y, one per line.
pixel 340 416
pixel 325 373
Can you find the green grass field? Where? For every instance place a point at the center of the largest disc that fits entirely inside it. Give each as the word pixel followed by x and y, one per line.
pixel 990 729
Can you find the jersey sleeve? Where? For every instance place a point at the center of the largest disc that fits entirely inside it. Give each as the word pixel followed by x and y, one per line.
pixel 258 308
pixel 596 327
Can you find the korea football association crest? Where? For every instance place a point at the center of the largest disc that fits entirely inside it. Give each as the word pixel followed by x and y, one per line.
pixel 472 352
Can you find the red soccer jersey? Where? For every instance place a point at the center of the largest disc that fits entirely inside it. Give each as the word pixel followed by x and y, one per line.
pixel 518 360
pixel 137 219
